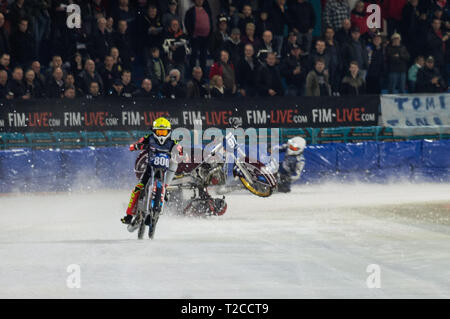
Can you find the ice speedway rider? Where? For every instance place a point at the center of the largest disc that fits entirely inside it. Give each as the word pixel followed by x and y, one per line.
pixel 290 169
pixel 158 141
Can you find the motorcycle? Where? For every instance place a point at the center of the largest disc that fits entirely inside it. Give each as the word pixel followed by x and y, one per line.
pixel 256 177
pixel 151 200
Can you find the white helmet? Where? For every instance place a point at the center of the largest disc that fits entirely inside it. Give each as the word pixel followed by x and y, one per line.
pixel 296 145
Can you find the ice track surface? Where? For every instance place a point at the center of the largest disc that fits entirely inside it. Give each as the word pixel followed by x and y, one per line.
pixel 313 243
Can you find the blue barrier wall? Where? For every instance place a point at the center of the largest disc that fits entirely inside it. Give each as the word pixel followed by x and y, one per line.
pixel 112 167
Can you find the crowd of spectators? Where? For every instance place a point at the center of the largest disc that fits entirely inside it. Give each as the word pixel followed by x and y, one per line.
pixel 146 48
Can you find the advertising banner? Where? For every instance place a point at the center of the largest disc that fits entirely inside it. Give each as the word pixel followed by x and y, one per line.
pixel 109 114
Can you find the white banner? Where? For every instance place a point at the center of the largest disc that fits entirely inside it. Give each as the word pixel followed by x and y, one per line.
pixel 421 110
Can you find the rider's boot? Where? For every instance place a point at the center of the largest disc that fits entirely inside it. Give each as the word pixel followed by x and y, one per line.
pixel 132 204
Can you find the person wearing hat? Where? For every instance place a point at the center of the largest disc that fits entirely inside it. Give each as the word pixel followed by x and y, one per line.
pixel 429 79
pixel 288 43
pixel 219 36
pixel 170 14
pixel 397 59
pixel 117 88
pixel 355 50
pixel 376 64
pixel 234 46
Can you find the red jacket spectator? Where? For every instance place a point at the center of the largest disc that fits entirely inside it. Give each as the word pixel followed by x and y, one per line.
pixel 217 69
pixel 393 8
pixel 358 17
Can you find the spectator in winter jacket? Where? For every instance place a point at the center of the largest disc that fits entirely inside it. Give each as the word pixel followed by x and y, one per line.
pixel 287 44
pixel 5 60
pixel 249 36
pixel 234 46
pixel 356 50
pixel 437 44
pixel 269 78
pixel 410 27
pixel 225 69
pixel 122 41
pixel 279 20
pixel 146 90
pixel 320 51
pixel 32 87
pixel 294 72
pixel 171 13
pixel 412 73
pixel 376 65
pixel 149 28
pixel 4 85
pixel 128 87
pixel 267 46
pixel 176 47
pixel 100 43
pixel 218 90
pixel 264 23
pixel 303 20
pixel 39 77
pixel 55 86
pixel 173 88
pixel 358 17
pixel 317 80
pixel 219 36
pixel 397 59
pixel 88 75
pixel 247 72
pixel 335 64
pixel 109 72
pixel 429 79
pixel 94 91
pixel 246 17
pixel 16 86
pixel 198 23
pixel 197 87
pixel 393 11
pixel 353 83
pixel 344 33
pixel 155 70
pixel 4 36
pixel 336 11
pixel 23 44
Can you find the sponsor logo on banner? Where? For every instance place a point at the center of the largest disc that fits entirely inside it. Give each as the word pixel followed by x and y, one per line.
pixel 415 110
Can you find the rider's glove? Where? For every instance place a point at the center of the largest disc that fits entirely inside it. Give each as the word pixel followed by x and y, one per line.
pixel 133 147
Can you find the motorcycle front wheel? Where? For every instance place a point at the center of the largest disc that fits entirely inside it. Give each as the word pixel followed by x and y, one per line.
pixel 259 189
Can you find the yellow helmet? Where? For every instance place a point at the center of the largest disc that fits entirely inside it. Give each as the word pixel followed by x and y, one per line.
pixel 161 130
